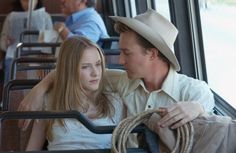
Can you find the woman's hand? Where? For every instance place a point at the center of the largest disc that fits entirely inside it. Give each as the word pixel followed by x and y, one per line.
pixel 9 41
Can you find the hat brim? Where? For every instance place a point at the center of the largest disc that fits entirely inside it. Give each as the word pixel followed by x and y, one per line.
pixel 153 37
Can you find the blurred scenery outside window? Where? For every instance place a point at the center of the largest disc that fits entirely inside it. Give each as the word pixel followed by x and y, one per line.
pixel 218 19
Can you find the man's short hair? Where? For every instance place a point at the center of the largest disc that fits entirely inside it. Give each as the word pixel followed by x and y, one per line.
pixel 121 28
pixel 91 3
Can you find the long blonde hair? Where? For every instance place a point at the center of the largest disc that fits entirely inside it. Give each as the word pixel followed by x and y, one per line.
pixel 67 91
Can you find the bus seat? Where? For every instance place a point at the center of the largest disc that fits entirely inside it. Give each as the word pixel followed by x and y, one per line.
pixel 111 50
pixel 4 116
pixel 12 137
pixel 109 43
pixel 24 34
pixel 30 49
pixel 14 92
pixel 31 67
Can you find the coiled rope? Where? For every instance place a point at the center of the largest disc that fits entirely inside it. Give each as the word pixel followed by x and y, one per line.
pixel 121 132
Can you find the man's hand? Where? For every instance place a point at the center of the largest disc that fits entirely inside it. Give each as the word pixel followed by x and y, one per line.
pixel 59 26
pixel 62 30
pixel 166 135
pixel 179 114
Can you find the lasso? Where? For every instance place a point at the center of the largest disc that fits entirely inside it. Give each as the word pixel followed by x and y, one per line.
pixel 120 134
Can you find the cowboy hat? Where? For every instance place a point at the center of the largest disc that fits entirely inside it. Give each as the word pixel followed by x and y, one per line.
pixel 156 29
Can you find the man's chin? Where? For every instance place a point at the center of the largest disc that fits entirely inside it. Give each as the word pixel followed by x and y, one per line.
pixel 131 76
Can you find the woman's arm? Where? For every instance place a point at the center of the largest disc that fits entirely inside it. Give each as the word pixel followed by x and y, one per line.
pixel 34 99
pixel 37 137
pixel 48 20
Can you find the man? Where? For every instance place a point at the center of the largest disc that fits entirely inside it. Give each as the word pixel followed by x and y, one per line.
pixel 81 19
pixel 152 82
pixel 151 79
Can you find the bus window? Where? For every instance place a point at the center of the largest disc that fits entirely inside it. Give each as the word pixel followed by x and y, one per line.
pixel 163 7
pixel 219 37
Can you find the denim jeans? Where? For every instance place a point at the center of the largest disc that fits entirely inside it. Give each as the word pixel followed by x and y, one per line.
pixel 7 69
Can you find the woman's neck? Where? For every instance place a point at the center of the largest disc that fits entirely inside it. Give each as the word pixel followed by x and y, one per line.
pixel 92 109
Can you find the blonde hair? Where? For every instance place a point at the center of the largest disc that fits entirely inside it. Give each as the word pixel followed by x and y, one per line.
pixel 68 93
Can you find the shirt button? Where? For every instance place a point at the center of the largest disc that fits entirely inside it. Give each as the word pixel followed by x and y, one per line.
pixel 149 106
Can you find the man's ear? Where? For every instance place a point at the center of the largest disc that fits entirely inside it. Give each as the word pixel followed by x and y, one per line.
pixel 153 53
pixel 84 1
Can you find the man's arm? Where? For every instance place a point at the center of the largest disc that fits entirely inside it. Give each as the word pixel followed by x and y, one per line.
pixel 112 79
pixel 62 30
pixel 34 99
pixel 196 100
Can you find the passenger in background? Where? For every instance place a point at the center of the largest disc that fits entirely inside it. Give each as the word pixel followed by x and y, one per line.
pixel 22 5
pixel 81 19
pixel 78 86
pixel 15 23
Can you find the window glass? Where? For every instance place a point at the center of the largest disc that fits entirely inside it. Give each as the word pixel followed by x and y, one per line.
pixel 162 6
pixel 218 18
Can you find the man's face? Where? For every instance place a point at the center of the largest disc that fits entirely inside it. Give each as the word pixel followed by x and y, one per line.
pixel 69 7
pixel 132 56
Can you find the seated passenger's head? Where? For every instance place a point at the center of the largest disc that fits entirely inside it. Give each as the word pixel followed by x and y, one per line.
pixel 80 65
pixel 23 5
pixel 146 37
pixel 68 7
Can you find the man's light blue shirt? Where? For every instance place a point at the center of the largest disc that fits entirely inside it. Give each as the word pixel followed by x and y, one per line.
pixel 88 23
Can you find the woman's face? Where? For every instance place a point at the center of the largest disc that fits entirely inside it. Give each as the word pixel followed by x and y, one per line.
pixel 90 69
pixel 25 4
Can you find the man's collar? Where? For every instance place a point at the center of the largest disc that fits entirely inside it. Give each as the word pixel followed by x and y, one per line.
pixel 170 85
pixel 75 16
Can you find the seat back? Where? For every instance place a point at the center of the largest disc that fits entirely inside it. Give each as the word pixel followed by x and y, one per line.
pixel 24 34
pixel 31 67
pixel 4 116
pixel 111 50
pixel 32 49
pixel 14 91
pixel 12 138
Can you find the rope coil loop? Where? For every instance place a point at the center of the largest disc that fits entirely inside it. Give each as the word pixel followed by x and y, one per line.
pixel 184 138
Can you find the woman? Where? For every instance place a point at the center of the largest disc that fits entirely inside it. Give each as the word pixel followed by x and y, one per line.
pixel 15 23
pixel 78 86
pixel 22 5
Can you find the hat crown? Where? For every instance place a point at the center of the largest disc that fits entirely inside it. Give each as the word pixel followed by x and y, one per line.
pixel 160 25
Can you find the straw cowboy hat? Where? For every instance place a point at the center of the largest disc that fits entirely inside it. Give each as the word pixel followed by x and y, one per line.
pixel 157 30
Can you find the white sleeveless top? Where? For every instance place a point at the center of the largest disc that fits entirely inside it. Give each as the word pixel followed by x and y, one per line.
pixel 76 136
